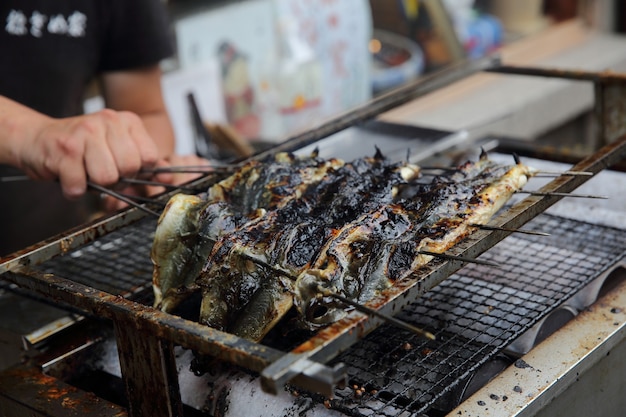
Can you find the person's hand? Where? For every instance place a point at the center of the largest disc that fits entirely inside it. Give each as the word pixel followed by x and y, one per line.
pixel 100 147
pixel 166 178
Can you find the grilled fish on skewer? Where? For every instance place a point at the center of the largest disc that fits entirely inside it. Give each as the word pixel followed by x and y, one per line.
pixel 189 225
pixel 352 263
pixel 389 244
pixel 473 196
pixel 239 295
pixel 350 230
pixel 290 237
pixel 346 301
pixel 273 184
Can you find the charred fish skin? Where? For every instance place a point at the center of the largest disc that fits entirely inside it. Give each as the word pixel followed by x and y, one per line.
pixel 186 233
pixel 352 263
pixel 243 297
pixel 272 184
pixel 384 246
pixel 192 230
pixel 281 181
pixel 237 291
pixel 290 236
pixel 445 210
pixel 266 307
pixel 344 193
pixel 173 245
pixel 183 235
pixel 451 221
pixel 367 185
pixel 215 220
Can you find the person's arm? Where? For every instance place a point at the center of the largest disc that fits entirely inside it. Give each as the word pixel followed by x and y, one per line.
pixel 100 147
pixel 139 91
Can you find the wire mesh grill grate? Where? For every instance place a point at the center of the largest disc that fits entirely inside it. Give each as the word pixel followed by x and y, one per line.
pixel 118 263
pixel 475 314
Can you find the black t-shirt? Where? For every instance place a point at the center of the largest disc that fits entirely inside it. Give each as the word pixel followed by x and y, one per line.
pixel 50 51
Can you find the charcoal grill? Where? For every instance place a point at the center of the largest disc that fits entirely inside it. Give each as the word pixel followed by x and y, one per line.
pixel 358 366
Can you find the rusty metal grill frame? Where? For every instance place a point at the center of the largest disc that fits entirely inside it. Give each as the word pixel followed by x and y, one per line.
pixel 141 328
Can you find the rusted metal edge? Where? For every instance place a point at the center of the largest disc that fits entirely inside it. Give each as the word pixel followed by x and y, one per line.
pixel 68 240
pixel 145 319
pixel 25 391
pixel 158 326
pixel 330 341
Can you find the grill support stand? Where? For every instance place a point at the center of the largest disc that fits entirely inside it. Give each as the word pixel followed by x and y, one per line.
pixel 149 372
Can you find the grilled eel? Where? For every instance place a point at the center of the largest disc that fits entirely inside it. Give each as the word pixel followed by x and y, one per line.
pixel 190 224
pixel 246 298
pixel 350 230
pixel 387 245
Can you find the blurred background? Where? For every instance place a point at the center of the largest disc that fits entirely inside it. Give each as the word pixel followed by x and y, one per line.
pixel 261 70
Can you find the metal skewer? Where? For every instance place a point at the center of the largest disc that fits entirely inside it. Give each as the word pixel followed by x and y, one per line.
pixel 154 183
pixel 573 173
pixel 13 178
pixel 457 258
pixel 142 199
pixel 505 229
pixel 122 198
pixel 193 169
pixel 370 311
pixel 539 172
pixel 538 193
pixel 360 307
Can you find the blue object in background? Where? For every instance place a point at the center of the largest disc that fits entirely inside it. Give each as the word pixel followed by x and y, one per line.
pixel 481 35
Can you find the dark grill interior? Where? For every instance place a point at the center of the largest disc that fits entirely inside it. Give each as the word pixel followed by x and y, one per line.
pixel 475 314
